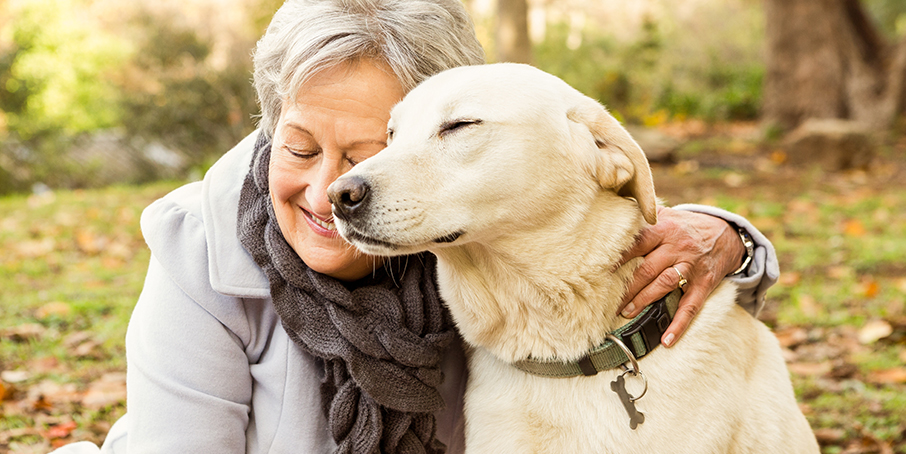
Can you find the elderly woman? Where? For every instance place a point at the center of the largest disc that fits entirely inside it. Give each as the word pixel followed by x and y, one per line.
pixel 260 330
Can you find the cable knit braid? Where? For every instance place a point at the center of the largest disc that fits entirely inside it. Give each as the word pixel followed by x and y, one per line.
pixel 380 342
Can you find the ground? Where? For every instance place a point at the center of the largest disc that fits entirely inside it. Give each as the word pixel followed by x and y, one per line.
pixel 72 264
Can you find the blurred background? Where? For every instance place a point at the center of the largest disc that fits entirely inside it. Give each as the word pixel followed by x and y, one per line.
pixel 789 112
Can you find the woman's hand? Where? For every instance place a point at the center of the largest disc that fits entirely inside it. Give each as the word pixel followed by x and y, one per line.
pixel 703 248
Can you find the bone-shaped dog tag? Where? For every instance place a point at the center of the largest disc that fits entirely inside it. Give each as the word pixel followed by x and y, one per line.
pixel 635 417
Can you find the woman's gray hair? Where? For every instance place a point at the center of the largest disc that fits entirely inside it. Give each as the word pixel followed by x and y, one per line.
pixel 415 38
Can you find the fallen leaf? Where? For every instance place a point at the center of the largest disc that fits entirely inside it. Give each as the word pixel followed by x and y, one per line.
pixel 791 336
pixel 854 228
pixel 24 332
pixel 56 308
pixel 87 349
pixel 119 249
pixel 802 206
pixel 90 243
pixel 829 436
pixel 870 288
pixel 888 376
pixel 76 338
pixel 48 394
pixel 108 390
pixel 734 180
pixel 60 430
pixel 874 331
pixel 35 248
pixel 685 167
pixel 840 272
pixel 790 279
pixel 44 365
pixel 809 307
pixel 778 156
pixel 901 284
pixel 14 376
pixel 810 369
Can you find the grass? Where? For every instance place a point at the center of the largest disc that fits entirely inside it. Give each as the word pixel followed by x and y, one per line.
pixel 73 263
pixel 71 267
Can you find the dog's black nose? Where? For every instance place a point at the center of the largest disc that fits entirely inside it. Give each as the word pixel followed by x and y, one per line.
pixel 348 195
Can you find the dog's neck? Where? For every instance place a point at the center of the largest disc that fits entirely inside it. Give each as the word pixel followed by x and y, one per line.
pixel 545 293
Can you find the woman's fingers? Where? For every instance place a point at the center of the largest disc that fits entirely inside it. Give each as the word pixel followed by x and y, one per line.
pixel 697 248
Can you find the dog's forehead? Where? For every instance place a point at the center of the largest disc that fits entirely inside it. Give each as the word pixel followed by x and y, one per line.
pixel 467 90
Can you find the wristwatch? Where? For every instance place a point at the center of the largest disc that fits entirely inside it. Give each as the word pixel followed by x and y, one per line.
pixel 750 250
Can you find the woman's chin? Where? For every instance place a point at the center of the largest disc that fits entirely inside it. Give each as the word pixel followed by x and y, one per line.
pixel 346 263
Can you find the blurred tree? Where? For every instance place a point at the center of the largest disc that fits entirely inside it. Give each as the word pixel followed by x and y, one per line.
pixel 513 43
pixel 827 59
pixel 55 73
pixel 175 93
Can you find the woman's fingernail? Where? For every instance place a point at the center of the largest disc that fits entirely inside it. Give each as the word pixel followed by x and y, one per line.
pixel 668 341
pixel 627 311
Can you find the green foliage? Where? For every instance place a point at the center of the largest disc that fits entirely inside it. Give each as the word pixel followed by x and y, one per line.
pixel 177 95
pixel 889 14
pixel 55 74
pixel 664 71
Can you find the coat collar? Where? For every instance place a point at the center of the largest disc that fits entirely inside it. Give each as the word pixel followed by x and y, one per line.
pixel 232 270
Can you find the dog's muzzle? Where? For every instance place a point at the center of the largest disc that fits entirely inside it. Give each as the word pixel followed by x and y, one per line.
pixel 349 196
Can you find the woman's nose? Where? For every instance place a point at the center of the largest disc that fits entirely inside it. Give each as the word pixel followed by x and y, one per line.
pixel 317 190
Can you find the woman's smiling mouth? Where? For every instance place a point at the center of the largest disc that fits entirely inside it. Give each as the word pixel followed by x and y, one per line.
pixel 325 227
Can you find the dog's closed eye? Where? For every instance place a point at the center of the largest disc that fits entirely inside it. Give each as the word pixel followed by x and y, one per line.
pixel 455 125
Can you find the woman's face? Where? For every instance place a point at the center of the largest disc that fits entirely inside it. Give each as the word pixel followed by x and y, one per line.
pixel 339 118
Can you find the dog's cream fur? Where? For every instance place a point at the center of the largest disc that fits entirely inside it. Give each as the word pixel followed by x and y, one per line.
pixel 528 191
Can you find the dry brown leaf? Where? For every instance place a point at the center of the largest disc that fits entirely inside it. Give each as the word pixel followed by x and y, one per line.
pixel 74 339
pixel 870 288
pixel 874 331
pixel 90 243
pixel 854 228
pixel 35 248
pixel 24 332
pixel 15 376
pixel 809 307
pixel 840 272
pixel 779 156
pixel 888 376
pixel 48 393
pixel 55 308
pixel 61 430
pixel 791 336
pixel 901 284
pixel 734 180
pixel 810 369
pixel 108 390
pixel 802 206
pixel 790 279
pixel 87 349
pixel 829 436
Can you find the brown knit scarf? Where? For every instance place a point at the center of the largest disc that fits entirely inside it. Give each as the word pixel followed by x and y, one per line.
pixel 380 339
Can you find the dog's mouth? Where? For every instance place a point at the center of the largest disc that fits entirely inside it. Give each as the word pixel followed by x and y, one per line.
pixel 377 246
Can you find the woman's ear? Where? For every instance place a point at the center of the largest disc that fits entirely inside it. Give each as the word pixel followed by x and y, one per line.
pixel 621 164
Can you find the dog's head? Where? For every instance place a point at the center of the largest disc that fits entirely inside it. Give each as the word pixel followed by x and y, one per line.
pixel 475 152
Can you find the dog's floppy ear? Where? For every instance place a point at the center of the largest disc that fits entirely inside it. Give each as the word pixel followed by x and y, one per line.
pixel 620 164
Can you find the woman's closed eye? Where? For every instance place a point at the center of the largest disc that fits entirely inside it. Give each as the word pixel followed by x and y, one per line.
pixel 302 153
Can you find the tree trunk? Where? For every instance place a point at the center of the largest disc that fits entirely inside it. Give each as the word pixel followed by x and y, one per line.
pixel 825 59
pixel 513 43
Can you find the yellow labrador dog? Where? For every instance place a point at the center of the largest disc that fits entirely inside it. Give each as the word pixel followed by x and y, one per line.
pixel 528 191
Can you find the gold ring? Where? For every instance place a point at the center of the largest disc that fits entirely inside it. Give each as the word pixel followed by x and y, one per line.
pixel 682 279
